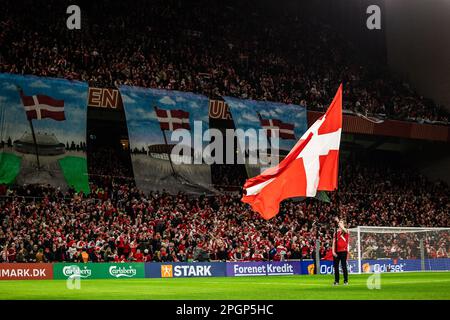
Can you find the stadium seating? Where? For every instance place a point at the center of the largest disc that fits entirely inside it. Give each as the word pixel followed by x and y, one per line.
pixel 299 61
pixel 200 48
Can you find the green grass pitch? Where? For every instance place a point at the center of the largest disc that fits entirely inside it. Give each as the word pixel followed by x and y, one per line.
pixel 431 286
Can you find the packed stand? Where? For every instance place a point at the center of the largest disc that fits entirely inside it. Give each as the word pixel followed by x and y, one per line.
pixel 121 223
pixel 217 48
pixel 108 165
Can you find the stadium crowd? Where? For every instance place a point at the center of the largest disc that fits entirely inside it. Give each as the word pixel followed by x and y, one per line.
pixel 117 222
pixel 107 162
pixel 198 46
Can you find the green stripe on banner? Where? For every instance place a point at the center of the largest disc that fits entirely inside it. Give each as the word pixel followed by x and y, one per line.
pixel 9 167
pixel 75 172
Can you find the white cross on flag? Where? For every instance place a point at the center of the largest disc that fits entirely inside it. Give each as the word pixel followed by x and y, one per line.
pixel 173 119
pixel 311 166
pixel 40 106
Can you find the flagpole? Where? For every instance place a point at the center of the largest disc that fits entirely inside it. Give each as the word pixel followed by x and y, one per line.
pixel 168 152
pixel 35 143
pixel 167 146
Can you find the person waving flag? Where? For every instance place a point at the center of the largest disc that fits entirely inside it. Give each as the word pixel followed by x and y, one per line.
pixel 311 166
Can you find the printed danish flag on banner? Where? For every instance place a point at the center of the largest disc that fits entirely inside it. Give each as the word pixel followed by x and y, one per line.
pixel 285 130
pixel 173 119
pixel 311 166
pixel 40 106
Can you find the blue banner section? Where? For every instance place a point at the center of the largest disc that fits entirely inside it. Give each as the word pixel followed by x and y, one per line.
pixel 151 140
pixel 185 270
pixel 252 116
pixel 58 112
pixel 236 269
pixel 279 268
pixel 247 114
pixel 326 267
pixel 390 265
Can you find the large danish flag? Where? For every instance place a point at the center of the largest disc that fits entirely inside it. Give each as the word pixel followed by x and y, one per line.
pixel 311 165
pixel 173 119
pixel 40 106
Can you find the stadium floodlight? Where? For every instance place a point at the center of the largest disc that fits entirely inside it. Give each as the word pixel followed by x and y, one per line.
pixel 399 248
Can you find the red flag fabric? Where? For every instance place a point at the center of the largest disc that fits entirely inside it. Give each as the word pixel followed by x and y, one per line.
pixel 311 166
pixel 40 106
pixel 286 130
pixel 173 119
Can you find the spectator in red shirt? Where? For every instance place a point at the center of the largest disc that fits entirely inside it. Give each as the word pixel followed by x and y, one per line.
pixel 11 253
pixel 138 256
pixel 328 255
pixel 257 256
pixel 147 256
pixel 340 250
pixel 442 253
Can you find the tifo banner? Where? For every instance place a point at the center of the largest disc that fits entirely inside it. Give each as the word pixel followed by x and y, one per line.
pixel 289 120
pixel 154 117
pixel 281 268
pixel 26 271
pixel 218 109
pixel 43 131
pixel 104 98
pixel 99 270
pixel 185 270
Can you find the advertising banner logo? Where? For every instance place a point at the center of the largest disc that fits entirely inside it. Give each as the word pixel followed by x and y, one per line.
pixel 238 269
pixel 380 266
pixel 399 265
pixel 311 268
pixel 185 270
pixel 26 271
pixel 166 271
pixel 326 267
pixel 99 270
pixel 122 272
pixel 74 270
